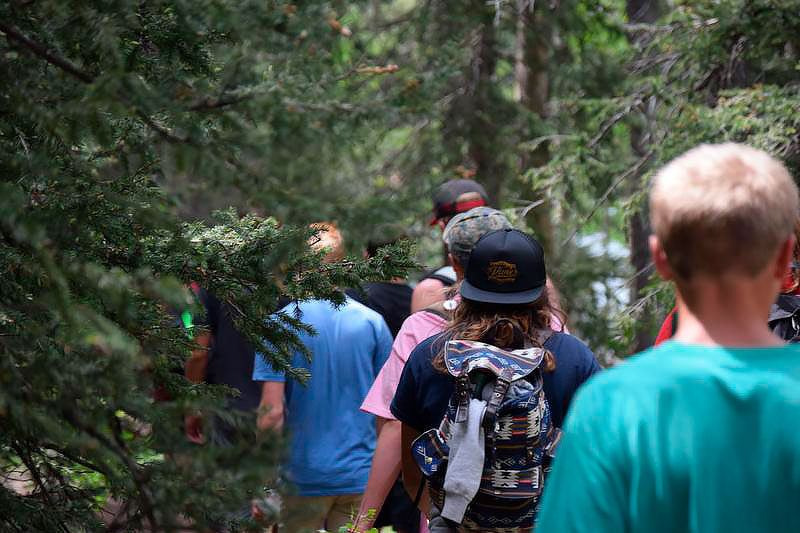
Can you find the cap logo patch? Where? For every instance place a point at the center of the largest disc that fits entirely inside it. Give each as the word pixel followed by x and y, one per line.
pixel 502 272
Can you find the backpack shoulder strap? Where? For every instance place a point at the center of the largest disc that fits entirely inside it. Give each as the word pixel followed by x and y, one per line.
pixel 440 309
pixel 445 274
pixel 498 395
pixel 543 335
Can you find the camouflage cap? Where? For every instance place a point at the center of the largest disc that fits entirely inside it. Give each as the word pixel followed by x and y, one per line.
pixel 464 230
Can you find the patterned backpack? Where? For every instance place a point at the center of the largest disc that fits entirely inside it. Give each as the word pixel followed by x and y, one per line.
pixel 519 436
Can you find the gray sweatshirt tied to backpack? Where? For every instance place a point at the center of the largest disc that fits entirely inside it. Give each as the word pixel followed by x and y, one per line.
pixel 465 462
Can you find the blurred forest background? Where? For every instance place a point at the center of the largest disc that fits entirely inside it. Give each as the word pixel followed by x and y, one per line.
pixel 148 145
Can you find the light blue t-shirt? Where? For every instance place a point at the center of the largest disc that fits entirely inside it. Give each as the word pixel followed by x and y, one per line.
pixel 683 438
pixel 331 440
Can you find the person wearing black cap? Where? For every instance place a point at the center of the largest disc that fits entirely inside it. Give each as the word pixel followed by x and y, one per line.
pixel 504 302
pixel 452 198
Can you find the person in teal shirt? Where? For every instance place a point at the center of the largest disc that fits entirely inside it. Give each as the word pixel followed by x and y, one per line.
pixel 702 433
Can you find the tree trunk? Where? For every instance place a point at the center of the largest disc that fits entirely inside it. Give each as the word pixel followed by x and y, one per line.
pixel 482 126
pixel 532 91
pixel 641 11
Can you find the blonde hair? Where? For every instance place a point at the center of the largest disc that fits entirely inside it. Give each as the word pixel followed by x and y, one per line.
pixel 722 208
pixel 328 238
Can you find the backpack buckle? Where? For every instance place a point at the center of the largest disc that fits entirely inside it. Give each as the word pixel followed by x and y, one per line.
pixel 498 394
pixel 462 395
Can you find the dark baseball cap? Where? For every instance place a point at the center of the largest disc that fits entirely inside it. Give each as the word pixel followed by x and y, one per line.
pixel 505 267
pixel 446 201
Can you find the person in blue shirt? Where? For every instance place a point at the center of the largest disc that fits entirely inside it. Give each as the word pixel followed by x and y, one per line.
pixel 503 302
pixel 699 434
pixel 331 442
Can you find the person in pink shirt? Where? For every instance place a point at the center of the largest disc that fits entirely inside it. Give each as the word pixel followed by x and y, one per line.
pixel 460 236
pixel 416 328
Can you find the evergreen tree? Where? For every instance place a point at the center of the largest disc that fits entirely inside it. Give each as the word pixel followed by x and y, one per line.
pixel 110 110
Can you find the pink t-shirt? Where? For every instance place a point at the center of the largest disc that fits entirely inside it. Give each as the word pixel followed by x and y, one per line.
pixel 415 329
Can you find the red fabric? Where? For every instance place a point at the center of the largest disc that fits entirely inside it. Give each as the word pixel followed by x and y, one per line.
pixel 665 333
pixel 790 286
pixel 452 209
pixel 160 394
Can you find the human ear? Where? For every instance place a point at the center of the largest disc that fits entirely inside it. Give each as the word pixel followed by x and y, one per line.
pixel 660 258
pixel 458 267
pixel 784 257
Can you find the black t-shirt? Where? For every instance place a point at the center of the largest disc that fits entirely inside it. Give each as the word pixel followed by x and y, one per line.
pixel 391 300
pixel 231 359
pixel 423 392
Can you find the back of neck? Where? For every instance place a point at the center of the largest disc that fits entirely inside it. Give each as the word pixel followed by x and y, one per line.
pixel 727 316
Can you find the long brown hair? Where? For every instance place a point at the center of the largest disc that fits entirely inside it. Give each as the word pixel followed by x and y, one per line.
pixel 501 325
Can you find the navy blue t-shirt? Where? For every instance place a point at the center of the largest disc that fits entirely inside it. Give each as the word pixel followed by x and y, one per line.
pixel 423 392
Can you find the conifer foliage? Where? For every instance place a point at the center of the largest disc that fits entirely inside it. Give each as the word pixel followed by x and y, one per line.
pixel 104 103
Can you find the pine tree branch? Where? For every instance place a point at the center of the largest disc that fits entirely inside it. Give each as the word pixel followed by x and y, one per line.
pixel 625 175
pixel 610 123
pixel 122 452
pixel 41 51
pixel 312 106
pixel 210 104
pixel 121 520
pixel 159 129
pixel 70 456
pixel 27 459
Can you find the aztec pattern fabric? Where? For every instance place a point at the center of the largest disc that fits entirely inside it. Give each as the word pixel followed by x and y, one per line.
pixel 519 444
pixel 463 357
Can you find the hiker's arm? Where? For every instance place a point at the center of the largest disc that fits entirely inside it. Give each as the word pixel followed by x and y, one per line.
pixel 270 409
pixel 382 475
pixel 195 371
pixel 427 292
pixel 412 477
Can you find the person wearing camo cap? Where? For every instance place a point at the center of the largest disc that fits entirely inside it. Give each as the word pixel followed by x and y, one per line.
pixel 453 197
pixel 460 235
pixel 464 230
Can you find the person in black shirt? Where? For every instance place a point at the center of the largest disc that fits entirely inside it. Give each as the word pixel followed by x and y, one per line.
pixel 391 299
pixel 225 358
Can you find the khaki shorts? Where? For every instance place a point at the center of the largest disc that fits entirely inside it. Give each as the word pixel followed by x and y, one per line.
pixel 308 514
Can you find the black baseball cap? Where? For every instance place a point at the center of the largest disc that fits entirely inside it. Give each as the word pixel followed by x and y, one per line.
pixel 505 267
pixel 446 200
